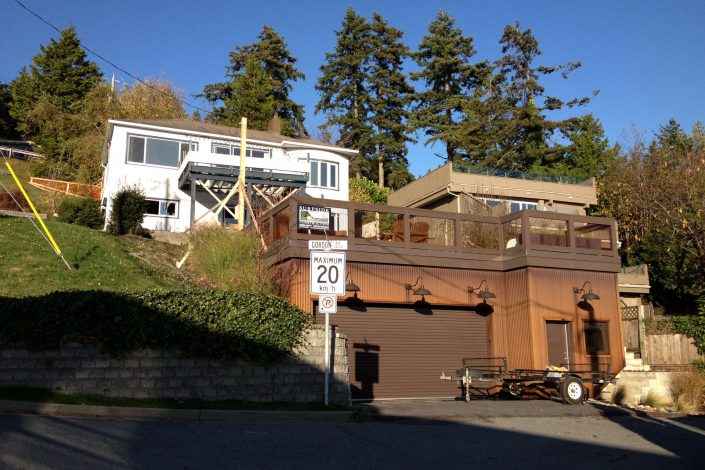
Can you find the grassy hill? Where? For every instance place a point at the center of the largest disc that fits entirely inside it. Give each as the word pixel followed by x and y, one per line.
pixel 29 266
pixel 22 169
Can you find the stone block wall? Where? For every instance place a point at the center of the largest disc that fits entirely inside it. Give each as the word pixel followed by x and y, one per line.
pixel 76 368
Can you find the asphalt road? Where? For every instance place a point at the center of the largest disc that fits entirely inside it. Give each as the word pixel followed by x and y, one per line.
pixel 495 435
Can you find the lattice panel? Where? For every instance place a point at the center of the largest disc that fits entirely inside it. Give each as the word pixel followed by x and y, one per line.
pixel 630 313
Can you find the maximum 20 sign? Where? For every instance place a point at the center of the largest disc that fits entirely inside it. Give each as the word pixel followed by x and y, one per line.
pixel 327 272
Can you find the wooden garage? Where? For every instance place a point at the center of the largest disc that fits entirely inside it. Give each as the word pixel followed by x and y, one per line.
pixel 399 351
pixel 504 286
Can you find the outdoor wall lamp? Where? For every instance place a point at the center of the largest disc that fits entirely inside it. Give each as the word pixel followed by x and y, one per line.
pixel 587 296
pixel 484 294
pixel 421 290
pixel 351 286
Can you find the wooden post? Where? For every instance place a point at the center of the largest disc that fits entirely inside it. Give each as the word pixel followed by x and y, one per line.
pixel 241 177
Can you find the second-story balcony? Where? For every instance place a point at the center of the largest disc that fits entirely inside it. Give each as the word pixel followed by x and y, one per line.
pixel 401 235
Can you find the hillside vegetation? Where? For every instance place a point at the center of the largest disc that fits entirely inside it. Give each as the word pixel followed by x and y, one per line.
pixel 100 261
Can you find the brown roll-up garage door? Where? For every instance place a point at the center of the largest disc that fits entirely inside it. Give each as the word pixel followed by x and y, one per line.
pixel 399 351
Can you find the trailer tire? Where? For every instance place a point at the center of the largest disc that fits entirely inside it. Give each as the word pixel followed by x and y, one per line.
pixel 572 390
pixel 513 390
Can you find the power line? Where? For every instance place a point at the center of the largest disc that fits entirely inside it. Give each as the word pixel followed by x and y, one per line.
pixel 186 103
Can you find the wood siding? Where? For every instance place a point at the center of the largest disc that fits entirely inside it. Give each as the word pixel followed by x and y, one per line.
pixel 400 351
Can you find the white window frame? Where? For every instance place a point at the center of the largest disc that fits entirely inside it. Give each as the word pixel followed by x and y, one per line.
pixel 192 146
pixel 490 201
pixel 234 149
pixel 163 208
pixel 330 164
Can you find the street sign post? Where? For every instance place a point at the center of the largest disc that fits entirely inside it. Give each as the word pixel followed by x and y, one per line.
pixel 327 272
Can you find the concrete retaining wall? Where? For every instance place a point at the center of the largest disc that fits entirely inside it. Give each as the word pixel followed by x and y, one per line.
pixel 83 369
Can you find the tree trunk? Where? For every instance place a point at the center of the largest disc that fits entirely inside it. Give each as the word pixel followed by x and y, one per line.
pixel 380 166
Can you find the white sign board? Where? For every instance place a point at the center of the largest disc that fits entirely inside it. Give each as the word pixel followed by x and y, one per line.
pixel 327 303
pixel 327 272
pixel 327 244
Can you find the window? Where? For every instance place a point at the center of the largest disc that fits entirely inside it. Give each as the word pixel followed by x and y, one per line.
pixel 162 208
pixel 161 152
pixel 514 206
pixel 323 174
pixel 596 338
pixel 225 149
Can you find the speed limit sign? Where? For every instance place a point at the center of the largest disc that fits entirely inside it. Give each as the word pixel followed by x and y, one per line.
pixel 327 272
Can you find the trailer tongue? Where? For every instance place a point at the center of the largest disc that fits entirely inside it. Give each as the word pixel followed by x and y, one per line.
pixel 567 379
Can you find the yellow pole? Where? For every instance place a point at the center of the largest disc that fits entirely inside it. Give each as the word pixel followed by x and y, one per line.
pixel 41 222
pixel 241 177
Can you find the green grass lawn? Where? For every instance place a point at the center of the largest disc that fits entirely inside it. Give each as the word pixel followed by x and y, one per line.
pixel 29 266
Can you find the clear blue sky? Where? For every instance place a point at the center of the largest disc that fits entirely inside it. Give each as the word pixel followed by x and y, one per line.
pixel 646 57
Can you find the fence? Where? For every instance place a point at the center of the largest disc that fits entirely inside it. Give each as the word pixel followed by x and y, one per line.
pixel 671 349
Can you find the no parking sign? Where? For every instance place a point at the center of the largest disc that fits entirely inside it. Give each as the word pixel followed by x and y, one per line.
pixel 327 303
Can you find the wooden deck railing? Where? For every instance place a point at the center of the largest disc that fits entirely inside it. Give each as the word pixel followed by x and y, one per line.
pixel 401 233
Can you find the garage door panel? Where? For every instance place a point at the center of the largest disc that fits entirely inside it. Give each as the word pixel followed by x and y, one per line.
pixel 395 352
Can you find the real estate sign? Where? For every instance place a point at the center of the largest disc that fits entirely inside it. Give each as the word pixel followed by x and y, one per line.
pixel 314 217
pixel 327 272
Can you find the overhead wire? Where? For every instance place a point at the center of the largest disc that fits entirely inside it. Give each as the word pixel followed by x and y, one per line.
pixel 186 103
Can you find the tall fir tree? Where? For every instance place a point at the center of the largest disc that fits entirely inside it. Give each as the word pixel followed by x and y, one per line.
pixel 274 57
pixel 391 95
pixel 523 132
pixel 589 152
pixel 450 80
pixel 60 74
pixel 252 97
pixel 8 125
pixel 345 99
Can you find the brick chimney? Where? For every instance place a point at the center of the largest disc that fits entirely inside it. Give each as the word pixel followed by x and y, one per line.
pixel 275 125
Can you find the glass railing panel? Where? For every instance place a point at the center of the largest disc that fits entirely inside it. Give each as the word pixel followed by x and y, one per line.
pixel 281 224
pixel 432 230
pixel 479 235
pixel 548 232
pixel 511 234
pixel 592 236
pixel 376 225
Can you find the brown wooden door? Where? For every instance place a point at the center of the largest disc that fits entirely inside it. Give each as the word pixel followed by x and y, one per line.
pixel 400 351
pixel 558 334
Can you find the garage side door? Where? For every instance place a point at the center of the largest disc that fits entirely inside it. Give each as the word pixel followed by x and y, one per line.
pixel 399 352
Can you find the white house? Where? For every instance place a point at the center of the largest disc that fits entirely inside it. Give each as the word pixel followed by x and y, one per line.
pixel 185 167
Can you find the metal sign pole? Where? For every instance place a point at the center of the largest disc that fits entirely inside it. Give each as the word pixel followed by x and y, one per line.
pixel 327 360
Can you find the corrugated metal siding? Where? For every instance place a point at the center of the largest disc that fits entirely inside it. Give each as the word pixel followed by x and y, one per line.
pixel 516 330
pixel 397 352
pixel 552 298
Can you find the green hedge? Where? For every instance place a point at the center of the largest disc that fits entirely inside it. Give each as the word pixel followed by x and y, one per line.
pixel 201 323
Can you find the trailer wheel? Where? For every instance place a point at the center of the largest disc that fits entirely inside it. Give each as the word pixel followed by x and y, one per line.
pixel 572 390
pixel 513 390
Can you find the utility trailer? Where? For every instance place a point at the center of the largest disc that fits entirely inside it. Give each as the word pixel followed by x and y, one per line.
pixel 567 379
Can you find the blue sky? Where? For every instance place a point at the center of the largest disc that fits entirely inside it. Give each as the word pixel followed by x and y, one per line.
pixel 646 57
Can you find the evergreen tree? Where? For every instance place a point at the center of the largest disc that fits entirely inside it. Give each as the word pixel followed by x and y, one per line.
pixel 391 94
pixel 345 99
pixel 277 62
pixel 450 79
pixel 60 74
pixel 8 125
pixel 524 131
pixel 589 150
pixel 252 97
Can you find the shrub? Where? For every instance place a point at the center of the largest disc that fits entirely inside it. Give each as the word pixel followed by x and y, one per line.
pixel 127 211
pixel 655 399
pixel 687 389
pixel 619 396
pixel 7 200
pixel 364 190
pixel 230 259
pixel 81 211
pixel 201 323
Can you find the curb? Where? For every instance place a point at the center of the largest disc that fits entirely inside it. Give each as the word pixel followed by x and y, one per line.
pixel 164 414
